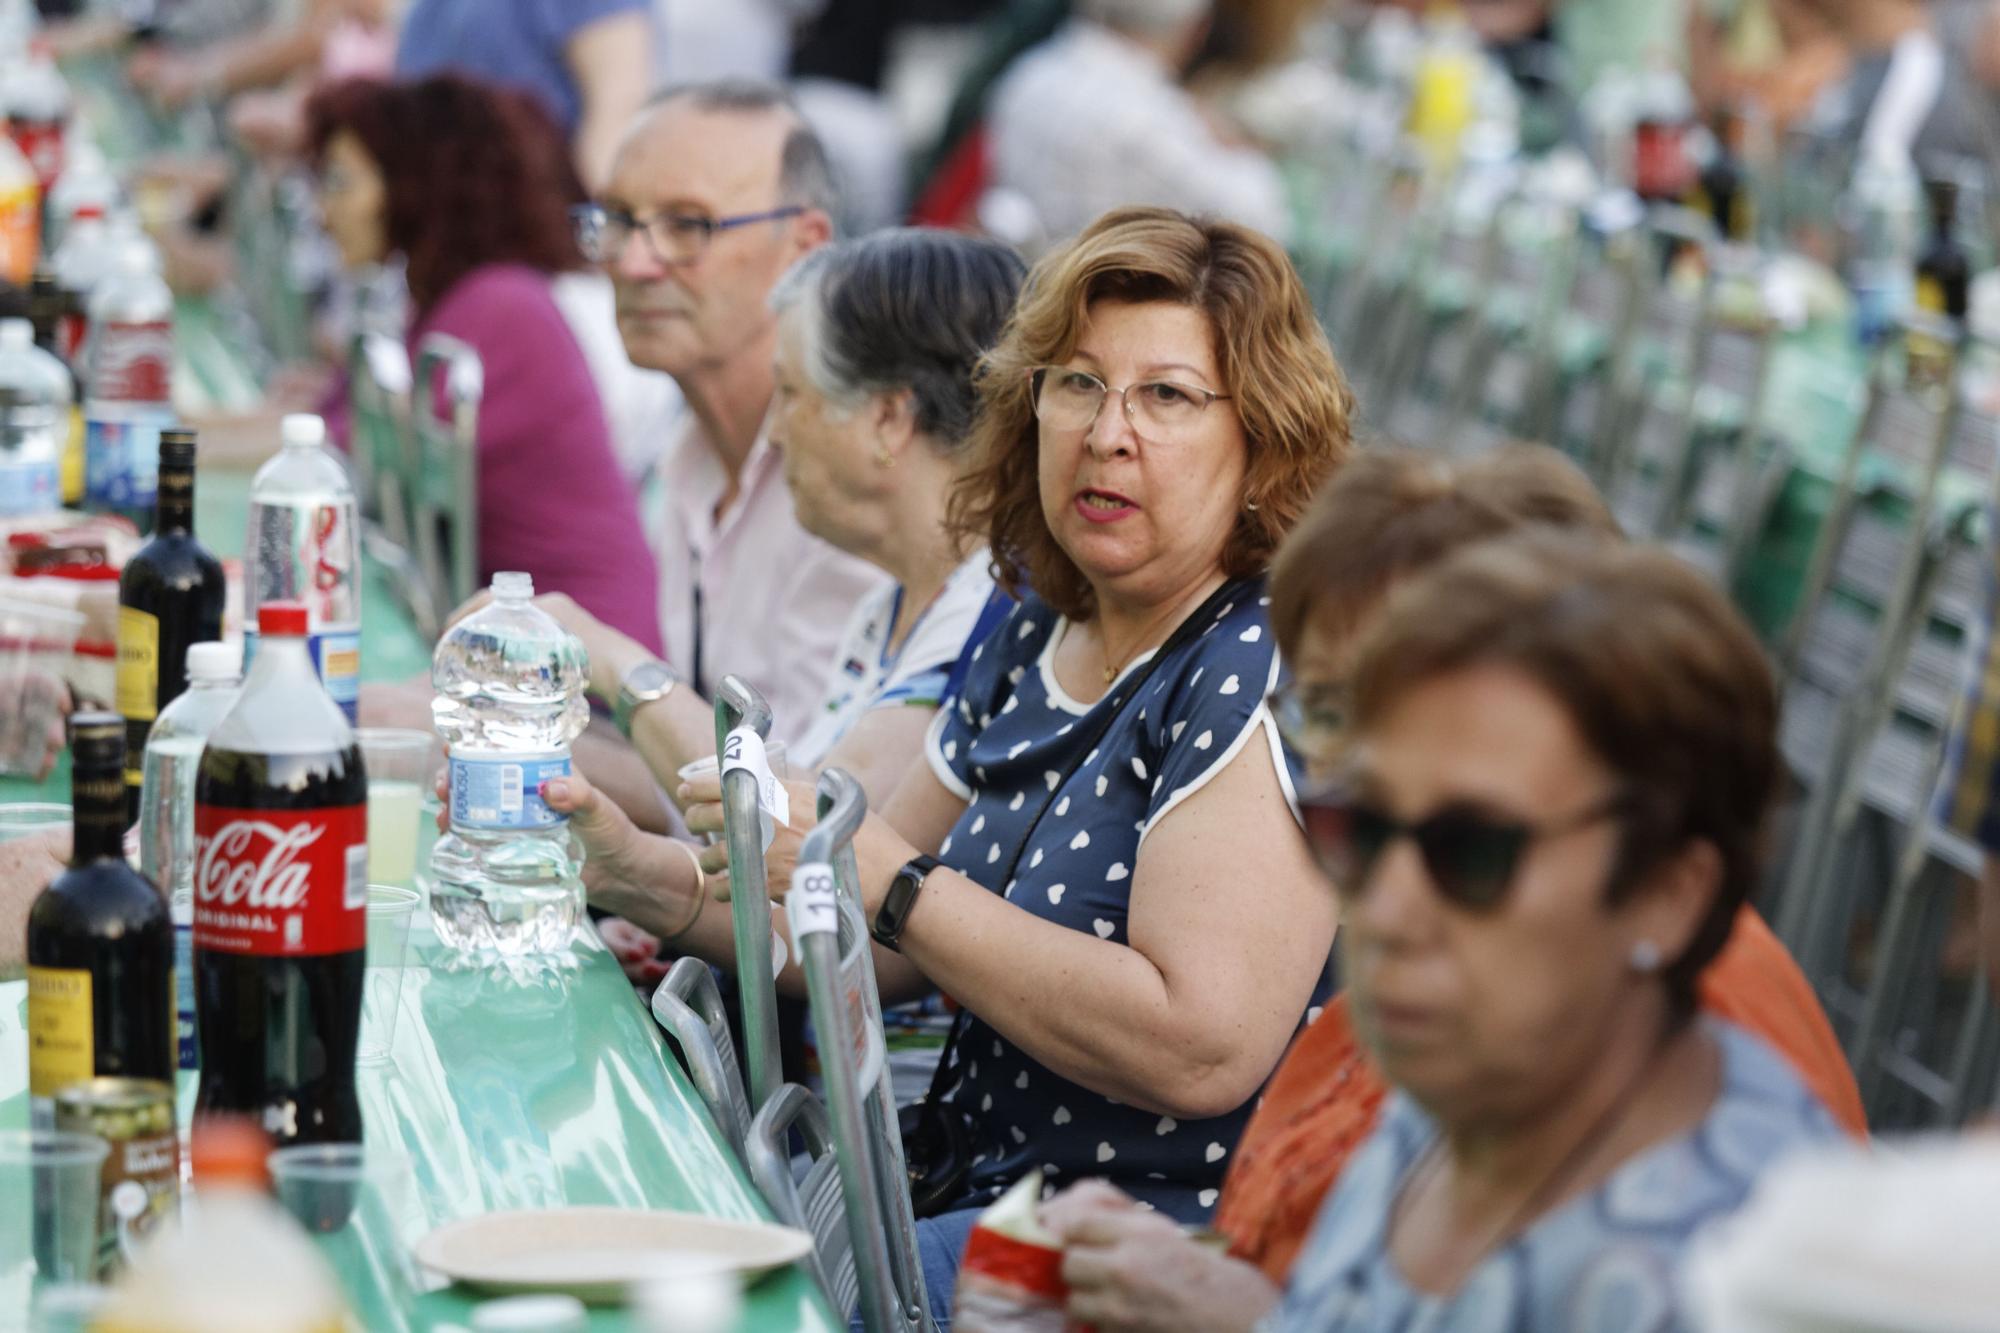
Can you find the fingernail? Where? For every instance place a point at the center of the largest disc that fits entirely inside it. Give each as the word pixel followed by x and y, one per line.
pixel 556 788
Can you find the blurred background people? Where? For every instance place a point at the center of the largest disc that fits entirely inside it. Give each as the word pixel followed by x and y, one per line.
pixel 477 209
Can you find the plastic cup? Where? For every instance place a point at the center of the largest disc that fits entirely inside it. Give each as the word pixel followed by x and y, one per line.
pixel 36 643
pixel 401 767
pixel 360 1205
pixel 49 1208
pixel 774 754
pixel 390 907
pixel 27 819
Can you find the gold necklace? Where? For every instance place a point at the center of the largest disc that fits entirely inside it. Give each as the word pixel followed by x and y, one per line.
pixel 1111 669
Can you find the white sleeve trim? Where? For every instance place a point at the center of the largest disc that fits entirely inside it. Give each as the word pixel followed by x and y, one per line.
pixel 934 752
pixel 1262 720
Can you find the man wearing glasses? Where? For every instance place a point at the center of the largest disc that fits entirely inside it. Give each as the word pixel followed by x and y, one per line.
pixel 715 191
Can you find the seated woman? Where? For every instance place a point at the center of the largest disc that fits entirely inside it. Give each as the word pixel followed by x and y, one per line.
pixel 1562 758
pixel 1389 516
pixel 877 342
pixel 1158 414
pixel 475 199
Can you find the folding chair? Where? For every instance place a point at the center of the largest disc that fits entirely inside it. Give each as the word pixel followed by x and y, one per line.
pixel 1507 383
pixel 444 480
pixel 379 396
pixel 1379 284
pixel 1433 332
pixel 834 949
pixel 688 1004
pixel 740 709
pixel 804 1191
pixel 1598 332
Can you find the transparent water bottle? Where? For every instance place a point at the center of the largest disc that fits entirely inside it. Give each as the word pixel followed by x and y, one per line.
pixel 128 381
pixel 34 417
pixel 1883 216
pixel 304 545
pixel 166 806
pixel 510 681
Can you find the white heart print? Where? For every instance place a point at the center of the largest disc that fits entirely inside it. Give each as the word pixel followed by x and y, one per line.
pixel 1105 1152
pixel 1203 741
pixel 1080 841
pixel 1102 927
pixel 1207 1198
pixel 1056 893
pixel 1166 1126
pixel 1020 799
pixel 1229 686
pixel 1036 859
pixel 1139 767
pixel 1101 784
pixel 1062 807
pixel 977 824
pixel 1061 1116
pixel 1251 635
pixel 1116 873
pixel 1021 1081
pixel 1216 1152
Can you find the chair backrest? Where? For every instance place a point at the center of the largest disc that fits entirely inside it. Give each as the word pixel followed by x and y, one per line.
pixel 384 456
pixel 742 720
pixel 804 1191
pixel 834 949
pixel 445 483
pixel 688 1004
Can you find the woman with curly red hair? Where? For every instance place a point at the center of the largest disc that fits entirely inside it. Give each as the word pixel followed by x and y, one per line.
pixel 471 185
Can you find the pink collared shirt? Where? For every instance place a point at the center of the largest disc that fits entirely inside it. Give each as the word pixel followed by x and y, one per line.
pixel 753 594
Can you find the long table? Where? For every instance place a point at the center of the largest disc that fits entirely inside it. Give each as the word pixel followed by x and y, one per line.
pixel 522 1089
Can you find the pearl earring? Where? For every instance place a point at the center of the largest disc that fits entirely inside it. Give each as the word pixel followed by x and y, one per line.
pixel 1645 956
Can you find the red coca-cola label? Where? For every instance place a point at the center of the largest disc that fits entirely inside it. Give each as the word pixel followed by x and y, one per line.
pixel 41 142
pixel 281 883
pixel 133 362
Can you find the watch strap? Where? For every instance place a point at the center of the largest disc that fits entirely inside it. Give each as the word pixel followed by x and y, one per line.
pixel 890 918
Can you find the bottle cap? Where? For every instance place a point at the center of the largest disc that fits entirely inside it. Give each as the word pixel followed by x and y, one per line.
pixel 215 660
pixel 177 448
pixel 283 618
pixel 16 335
pixel 88 212
pixel 97 739
pixel 512 584
pixel 229 1150
pixel 303 430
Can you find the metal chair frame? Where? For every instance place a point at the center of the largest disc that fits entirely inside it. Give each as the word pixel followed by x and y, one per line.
pixel 444 479
pixel 739 706
pixel 805 1191
pixel 834 950
pixel 688 1004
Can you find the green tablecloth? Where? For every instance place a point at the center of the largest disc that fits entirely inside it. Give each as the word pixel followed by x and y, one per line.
pixel 505 1091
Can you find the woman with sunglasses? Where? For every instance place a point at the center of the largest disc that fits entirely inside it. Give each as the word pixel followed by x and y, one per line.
pixel 1387 518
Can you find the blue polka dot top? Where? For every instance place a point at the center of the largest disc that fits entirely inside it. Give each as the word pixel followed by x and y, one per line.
pixel 1003 748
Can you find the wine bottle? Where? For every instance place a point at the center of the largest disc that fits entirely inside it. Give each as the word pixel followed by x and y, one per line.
pixel 169 597
pixel 100 941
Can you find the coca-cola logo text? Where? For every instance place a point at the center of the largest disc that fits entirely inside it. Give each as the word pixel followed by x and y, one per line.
pixel 254 863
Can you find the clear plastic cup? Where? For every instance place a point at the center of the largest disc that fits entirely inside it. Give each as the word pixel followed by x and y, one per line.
pixel 24 819
pixel 49 1208
pixel 402 766
pixel 774 754
pixel 390 907
pixel 361 1207
pixel 35 646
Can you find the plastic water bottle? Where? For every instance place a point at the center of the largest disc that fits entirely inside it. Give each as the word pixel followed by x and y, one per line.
pixel 34 416
pixel 305 545
pixel 1884 220
pixel 510 681
pixel 166 810
pixel 38 112
pixel 79 263
pixel 128 381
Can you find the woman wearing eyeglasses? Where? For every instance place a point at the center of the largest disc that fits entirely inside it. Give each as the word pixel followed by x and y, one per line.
pixel 1389 517
pixel 470 185
pixel 1099 862
pixel 1562 757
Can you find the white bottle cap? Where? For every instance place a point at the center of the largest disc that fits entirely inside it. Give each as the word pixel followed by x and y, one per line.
pixel 303 430
pixel 16 335
pixel 531 1314
pixel 217 660
pixel 512 584
pixel 688 1302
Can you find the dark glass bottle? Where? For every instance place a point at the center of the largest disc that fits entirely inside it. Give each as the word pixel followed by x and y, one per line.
pixel 169 597
pixel 100 939
pixel 1944 270
pixel 1723 188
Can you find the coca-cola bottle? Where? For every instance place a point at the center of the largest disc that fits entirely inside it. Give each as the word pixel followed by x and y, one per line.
pixel 280 898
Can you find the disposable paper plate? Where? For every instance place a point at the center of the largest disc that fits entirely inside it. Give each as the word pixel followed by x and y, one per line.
pixel 595 1254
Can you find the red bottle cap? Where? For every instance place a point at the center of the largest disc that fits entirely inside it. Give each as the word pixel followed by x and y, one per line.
pixel 282 618
pixel 229 1149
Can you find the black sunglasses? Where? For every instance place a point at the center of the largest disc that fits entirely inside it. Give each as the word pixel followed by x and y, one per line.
pixel 1470 857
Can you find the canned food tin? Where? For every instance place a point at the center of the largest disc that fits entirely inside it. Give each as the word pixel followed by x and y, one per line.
pixel 142 1176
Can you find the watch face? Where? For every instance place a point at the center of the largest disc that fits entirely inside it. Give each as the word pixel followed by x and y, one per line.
pixel 649 678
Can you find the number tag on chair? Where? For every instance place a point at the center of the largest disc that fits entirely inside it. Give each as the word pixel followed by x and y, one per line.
pixel 863 1014
pixel 743 751
pixel 813 907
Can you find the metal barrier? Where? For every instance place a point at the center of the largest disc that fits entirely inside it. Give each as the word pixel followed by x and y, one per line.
pixel 739 708
pixel 834 949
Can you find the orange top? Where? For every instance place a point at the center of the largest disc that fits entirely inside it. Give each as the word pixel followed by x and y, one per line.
pixel 1326 1095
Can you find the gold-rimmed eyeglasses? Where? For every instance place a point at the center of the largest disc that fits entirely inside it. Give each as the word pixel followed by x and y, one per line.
pixel 673 238
pixel 1069 399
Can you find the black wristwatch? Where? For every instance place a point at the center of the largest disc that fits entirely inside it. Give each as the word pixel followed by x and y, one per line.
pixel 895 909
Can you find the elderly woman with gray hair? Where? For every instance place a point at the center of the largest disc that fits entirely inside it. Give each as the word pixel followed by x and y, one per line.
pixel 878 338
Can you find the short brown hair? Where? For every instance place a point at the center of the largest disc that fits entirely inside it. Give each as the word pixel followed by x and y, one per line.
pixel 1275 363
pixel 1394 512
pixel 1664 680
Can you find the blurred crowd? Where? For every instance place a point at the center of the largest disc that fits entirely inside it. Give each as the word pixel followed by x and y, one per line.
pixel 941 369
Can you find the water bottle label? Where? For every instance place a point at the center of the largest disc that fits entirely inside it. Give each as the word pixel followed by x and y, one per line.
pixel 336 655
pixel 30 486
pixel 504 791
pixel 121 458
